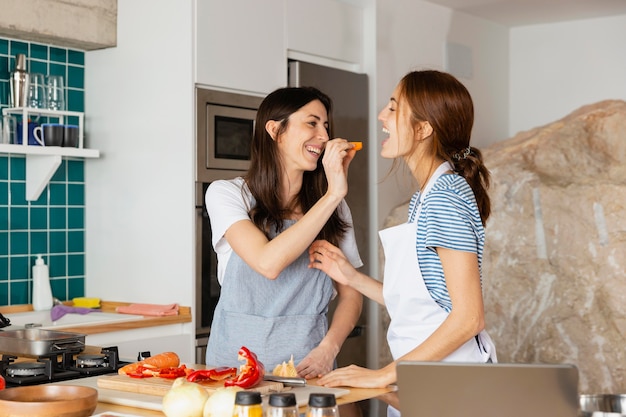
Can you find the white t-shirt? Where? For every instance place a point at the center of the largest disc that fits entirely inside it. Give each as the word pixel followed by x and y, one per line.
pixel 229 201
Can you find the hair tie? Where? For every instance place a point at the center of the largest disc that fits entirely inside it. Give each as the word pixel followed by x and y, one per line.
pixel 463 154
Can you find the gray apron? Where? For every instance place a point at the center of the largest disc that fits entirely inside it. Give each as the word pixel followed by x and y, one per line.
pixel 273 318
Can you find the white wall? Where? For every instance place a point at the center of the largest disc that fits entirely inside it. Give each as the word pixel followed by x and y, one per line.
pixel 412 35
pixel 140 196
pixel 560 67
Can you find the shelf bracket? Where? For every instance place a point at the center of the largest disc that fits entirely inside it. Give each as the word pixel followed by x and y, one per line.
pixel 39 170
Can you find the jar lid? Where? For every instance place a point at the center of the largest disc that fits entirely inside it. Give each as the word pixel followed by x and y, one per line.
pixel 322 400
pixel 247 397
pixel 283 399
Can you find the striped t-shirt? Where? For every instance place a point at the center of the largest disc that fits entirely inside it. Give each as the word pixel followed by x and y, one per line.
pixel 449 219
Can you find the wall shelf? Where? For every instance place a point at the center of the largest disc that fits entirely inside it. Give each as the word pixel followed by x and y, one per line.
pixel 43 161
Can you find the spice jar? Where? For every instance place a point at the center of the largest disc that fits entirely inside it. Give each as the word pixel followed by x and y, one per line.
pixel 322 405
pixel 282 404
pixel 248 404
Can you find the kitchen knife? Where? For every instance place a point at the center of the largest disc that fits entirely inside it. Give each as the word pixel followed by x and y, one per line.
pixel 293 381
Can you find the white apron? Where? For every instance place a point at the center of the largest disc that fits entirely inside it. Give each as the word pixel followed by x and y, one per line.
pixel 414 314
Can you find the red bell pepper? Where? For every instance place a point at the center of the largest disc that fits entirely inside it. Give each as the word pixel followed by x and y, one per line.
pixel 168 373
pixel 173 373
pixel 250 373
pixel 141 372
pixel 216 374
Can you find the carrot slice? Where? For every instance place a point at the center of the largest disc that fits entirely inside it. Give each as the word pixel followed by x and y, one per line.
pixel 357 145
pixel 160 361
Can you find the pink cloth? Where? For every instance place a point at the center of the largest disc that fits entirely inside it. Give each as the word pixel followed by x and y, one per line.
pixel 149 309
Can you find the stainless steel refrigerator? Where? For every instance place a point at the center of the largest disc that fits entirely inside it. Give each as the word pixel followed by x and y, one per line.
pixel 349 92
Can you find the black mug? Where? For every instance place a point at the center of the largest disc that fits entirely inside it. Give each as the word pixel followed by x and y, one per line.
pixel 70 137
pixel 49 134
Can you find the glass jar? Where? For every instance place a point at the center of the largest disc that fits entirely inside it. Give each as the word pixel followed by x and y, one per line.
pixel 282 404
pixel 322 405
pixel 248 404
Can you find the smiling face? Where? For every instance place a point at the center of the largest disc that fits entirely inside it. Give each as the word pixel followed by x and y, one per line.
pixel 302 143
pixel 393 116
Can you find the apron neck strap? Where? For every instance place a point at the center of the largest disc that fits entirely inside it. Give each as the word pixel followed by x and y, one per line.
pixel 441 169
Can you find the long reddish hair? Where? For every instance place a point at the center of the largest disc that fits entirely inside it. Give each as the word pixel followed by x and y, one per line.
pixel 440 99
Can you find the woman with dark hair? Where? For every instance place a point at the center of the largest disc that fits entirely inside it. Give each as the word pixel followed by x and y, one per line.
pixel 263 223
pixel 432 277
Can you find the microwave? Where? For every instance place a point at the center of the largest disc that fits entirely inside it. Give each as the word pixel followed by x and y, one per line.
pixel 225 126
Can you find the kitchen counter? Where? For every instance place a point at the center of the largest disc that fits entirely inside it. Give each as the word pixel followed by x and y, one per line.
pixel 184 316
pixel 150 404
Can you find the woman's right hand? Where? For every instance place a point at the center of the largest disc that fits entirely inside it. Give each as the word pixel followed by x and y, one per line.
pixel 337 157
pixel 328 258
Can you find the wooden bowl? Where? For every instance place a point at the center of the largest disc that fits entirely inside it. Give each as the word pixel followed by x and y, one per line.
pixel 48 400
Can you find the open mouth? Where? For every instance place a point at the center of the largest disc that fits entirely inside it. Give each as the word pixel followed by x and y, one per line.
pixel 314 150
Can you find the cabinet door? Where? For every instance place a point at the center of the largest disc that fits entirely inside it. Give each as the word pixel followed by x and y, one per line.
pixel 240 44
pixel 331 29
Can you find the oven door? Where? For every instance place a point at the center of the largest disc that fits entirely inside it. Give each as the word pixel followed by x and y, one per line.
pixel 207 286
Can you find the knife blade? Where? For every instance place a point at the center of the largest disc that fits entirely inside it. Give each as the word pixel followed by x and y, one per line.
pixel 287 380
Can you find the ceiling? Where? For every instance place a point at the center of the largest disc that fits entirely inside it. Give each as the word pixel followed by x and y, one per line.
pixel 530 12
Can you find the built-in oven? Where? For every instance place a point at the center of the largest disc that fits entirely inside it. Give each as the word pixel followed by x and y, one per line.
pixel 225 125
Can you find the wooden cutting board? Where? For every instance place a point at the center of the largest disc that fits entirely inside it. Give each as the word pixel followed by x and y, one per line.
pixel 160 386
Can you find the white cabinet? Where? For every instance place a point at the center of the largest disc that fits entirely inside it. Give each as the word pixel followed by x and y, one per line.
pixel 332 29
pixel 240 45
pixel 42 162
pixel 243 45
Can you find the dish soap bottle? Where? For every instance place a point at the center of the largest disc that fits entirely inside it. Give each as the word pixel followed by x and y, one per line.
pixel 42 293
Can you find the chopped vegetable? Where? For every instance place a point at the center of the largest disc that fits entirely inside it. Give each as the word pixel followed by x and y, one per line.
pixel 250 373
pixel 285 369
pixel 147 371
pixel 172 372
pixel 160 361
pixel 216 374
pixel 357 145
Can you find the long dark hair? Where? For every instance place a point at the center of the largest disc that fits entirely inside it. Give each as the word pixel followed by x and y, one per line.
pixel 440 99
pixel 264 177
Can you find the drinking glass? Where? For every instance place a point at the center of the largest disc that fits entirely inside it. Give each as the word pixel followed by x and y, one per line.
pixel 8 133
pixel 37 92
pixel 56 92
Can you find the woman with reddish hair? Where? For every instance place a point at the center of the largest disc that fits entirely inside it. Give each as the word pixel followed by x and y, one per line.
pixel 432 277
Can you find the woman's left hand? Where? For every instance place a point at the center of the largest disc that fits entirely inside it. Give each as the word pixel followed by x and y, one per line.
pixel 355 376
pixel 318 362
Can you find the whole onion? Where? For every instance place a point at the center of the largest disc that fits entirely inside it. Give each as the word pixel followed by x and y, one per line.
pixel 185 399
pixel 221 403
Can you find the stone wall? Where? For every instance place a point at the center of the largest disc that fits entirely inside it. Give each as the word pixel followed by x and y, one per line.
pixel 555 255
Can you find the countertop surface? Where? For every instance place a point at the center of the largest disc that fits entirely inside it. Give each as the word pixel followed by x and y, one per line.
pixel 184 316
pixel 134 404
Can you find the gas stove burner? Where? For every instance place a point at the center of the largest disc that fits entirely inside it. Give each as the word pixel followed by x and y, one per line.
pixel 26 369
pixel 91 361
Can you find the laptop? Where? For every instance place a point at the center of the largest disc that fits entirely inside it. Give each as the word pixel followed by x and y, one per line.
pixel 445 389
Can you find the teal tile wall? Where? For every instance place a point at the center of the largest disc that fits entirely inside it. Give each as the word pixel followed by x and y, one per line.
pixel 54 225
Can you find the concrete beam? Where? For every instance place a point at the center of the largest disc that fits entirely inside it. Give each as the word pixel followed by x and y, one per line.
pixel 79 24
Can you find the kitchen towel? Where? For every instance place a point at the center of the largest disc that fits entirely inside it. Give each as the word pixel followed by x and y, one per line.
pixel 149 309
pixel 60 310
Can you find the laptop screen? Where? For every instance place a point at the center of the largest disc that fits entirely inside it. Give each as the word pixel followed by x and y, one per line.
pixel 445 389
